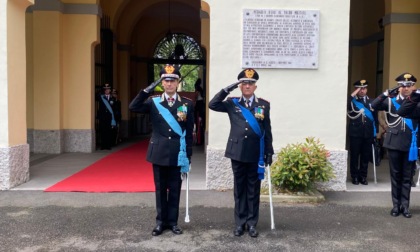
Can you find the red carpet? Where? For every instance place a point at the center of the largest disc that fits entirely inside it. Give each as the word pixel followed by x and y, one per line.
pixel 123 171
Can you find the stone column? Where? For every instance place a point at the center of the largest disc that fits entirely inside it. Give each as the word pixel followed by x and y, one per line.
pixel 14 151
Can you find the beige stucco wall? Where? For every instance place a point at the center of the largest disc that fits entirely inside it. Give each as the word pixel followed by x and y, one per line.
pixel 61 69
pixel 13 73
pixel 304 102
pixel 402 6
pixel 81 31
pixel 404 50
pixel 402 40
pixel 47 67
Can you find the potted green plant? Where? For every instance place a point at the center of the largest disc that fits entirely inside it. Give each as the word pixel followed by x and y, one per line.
pixel 298 166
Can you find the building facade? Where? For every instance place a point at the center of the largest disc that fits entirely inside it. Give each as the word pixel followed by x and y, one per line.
pixel 55 54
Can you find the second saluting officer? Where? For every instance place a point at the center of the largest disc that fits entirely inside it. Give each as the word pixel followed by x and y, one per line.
pixel 401 142
pixel 249 146
pixel 363 126
pixel 170 147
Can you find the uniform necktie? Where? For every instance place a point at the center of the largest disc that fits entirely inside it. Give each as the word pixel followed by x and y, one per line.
pixel 171 101
pixel 248 103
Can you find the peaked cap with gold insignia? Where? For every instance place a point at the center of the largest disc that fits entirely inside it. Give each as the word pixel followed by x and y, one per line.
pixel 406 79
pixel 170 72
pixel 248 75
pixel 360 84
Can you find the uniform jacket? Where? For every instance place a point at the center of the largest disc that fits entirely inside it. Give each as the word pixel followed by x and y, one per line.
pixel 398 136
pixel 164 144
pixel 410 108
pixel 361 126
pixel 243 143
pixel 104 115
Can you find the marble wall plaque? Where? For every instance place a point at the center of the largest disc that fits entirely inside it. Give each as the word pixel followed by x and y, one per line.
pixel 280 38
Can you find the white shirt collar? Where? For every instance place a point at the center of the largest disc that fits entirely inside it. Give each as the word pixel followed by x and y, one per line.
pixel 167 96
pixel 250 99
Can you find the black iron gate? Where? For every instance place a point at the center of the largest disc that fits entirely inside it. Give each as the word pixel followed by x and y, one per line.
pixel 103 66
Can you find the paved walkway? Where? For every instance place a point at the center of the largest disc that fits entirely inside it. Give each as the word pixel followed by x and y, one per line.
pixel 347 221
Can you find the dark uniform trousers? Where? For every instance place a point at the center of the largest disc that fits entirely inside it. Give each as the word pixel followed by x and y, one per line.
pixel 401 171
pixel 246 192
pixel 360 147
pixel 105 118
pixel 168 190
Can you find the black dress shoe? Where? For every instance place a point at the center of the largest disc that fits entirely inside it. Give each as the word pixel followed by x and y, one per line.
pixel 363 181
pixel 355 181
pixel 405 212
pixel 239 231
pixel 395 211
pixel 176 230
pixel 253 231
pixel 157 230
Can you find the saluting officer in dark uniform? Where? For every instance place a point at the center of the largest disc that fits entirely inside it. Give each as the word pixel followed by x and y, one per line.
pixel 243 147
pixel 106 117
pixel 363 126
pixel 401 142
pixel 165 145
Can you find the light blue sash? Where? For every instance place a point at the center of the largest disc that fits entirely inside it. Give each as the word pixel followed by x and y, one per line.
pixel 256 128
pixel 413 154
pixel 113 123
pixel 183 161
pixel 368 113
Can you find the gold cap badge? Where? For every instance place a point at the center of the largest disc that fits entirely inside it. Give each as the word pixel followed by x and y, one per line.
pixel 407 76
pixel 249 73
pixel 169 69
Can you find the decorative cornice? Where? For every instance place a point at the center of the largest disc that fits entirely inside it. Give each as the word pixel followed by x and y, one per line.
pixel 56 5
pixel 367 40
pixel 392 18
pixel 401 18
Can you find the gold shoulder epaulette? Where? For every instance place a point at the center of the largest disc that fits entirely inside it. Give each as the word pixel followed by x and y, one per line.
pixel 184 97
pixel 153 96
pixel 259 98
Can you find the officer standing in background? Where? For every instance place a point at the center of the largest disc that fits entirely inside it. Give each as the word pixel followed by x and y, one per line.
pixel 106 117
pixel 401 142
pixel 249 146
pixel 170 147
pixel 363 126
pixel 117 114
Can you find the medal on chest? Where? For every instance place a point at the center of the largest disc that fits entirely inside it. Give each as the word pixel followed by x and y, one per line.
pixel 259 112
pixel 181 112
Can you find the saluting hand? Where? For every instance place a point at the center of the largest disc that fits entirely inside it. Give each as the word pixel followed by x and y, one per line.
pixel 231 87
pixel 355 92
pixel 152 86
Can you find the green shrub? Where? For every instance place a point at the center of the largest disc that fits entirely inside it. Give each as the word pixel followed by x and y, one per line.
pixel 299 165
